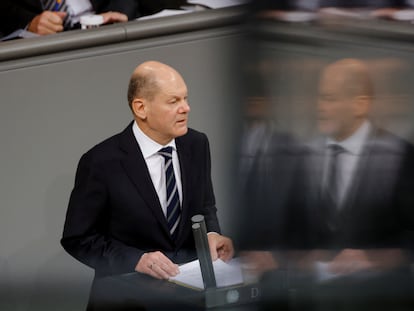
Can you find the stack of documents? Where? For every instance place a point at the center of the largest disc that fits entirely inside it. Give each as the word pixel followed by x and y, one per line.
pixel 209 4
pixel 216 4
pixel 164 13
pixel 226 274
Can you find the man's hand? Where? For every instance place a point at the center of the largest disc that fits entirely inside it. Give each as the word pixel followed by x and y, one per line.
pixel 259 262
pixel 47 23
pixel 351 261
pixel 114 17
pixel 157 265
pixel 220 246
pixel 355 260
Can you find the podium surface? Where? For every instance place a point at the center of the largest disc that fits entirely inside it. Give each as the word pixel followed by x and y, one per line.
pixel 133 291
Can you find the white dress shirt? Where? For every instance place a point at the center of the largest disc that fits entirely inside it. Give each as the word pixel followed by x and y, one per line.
pixel 347 160
pixel 155 164
pixel 79 8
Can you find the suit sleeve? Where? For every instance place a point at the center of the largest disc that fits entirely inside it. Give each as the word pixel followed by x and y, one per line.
pixel 87 217
pixel 405 199
pixel 13 16
pixel 210 210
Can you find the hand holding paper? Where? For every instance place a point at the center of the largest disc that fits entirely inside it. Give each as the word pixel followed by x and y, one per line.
pixel 226 274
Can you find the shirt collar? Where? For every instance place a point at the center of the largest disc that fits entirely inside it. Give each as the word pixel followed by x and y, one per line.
pixel 356 141
pixel 148 146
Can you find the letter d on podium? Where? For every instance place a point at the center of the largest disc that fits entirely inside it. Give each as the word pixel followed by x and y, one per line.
pixel 203 251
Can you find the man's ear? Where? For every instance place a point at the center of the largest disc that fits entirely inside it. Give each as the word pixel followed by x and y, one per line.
pixel 362 105
pixel 138 107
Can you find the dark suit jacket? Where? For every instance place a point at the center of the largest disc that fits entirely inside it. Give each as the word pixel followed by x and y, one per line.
pixel 16 14
pixel 114 214
pixel 378 208
pixel 268 217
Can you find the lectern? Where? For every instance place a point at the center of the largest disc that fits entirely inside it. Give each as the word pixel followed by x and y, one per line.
pixel 214 296
pixel 132 291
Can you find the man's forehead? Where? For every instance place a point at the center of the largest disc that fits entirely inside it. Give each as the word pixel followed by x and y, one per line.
pixel 172 83
pixel 330 80
pixel 160 72
pixel 168 77
pixel 174 91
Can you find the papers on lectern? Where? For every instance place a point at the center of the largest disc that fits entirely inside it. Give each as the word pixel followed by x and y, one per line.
pixel 226 273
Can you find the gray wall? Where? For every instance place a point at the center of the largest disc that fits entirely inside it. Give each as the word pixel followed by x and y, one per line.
pixel 55 107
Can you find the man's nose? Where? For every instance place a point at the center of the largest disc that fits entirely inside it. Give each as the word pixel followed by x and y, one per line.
pixel 184 107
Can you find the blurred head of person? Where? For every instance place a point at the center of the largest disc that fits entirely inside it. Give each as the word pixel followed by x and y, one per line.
pixel 344 99
pixel 258 108
pixel 257 103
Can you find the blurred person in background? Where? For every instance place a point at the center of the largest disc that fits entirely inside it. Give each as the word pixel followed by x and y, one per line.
pixel 364 198
pixel 359 199
pixel 312 5
pixel 348 236
pixel 51 16
pixel 307 10
pixel 269 168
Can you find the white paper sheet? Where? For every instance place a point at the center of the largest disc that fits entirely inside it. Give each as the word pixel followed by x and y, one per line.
pixel 79 7
pixel 226 274
pixel 403 15
pixel 216 4
pixel 164 13
pixel 322 272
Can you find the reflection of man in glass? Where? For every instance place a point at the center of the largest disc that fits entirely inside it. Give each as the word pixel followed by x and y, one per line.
pixel 257 132
pixel 360 178
pixel 351 222
pixel 268 167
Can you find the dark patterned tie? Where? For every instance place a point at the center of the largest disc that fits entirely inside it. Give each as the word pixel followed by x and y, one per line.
pixel 58 6
pixel 330 202
pixel 333 185
pixel 173 200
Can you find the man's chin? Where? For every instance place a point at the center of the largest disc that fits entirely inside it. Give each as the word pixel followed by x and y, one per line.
pixel 325 129
pixel 182 131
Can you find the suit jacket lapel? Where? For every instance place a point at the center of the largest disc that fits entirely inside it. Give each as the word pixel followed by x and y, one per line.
pixel 184 157
pixel 136 168
pixel 362 173
pixel 366 172
pixel 315 169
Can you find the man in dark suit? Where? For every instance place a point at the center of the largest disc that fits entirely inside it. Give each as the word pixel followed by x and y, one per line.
pixel 117 216
pixel 360 178
pixel 354 218
pixel 269 159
